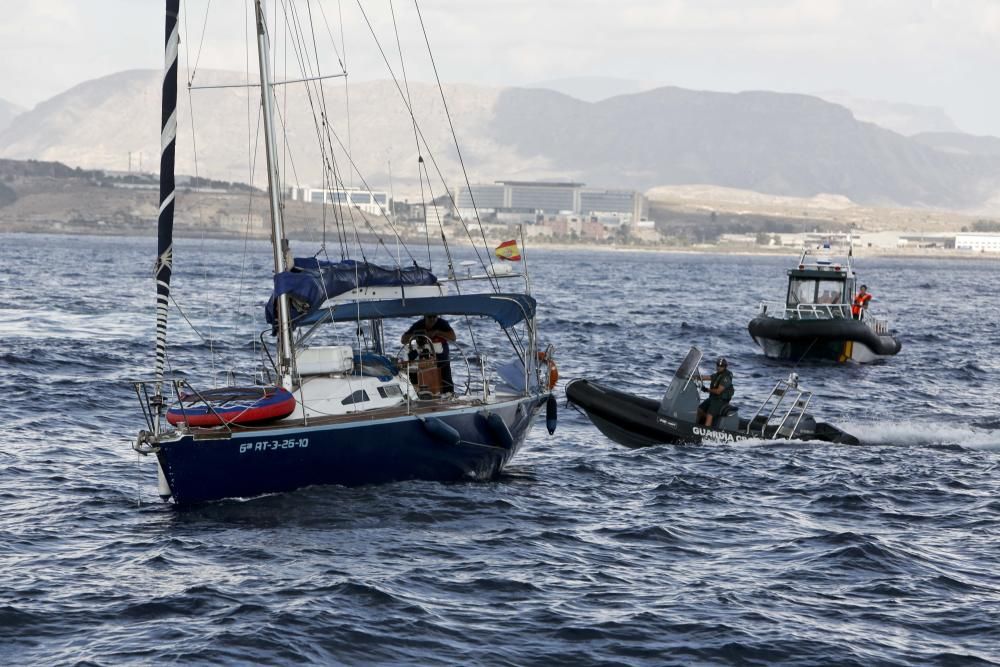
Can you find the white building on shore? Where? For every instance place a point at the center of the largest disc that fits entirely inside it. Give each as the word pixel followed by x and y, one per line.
pixel 524 201
pixel 375 202
pixel 978 242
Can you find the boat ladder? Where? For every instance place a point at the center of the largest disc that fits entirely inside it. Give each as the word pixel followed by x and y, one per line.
pixel 785 393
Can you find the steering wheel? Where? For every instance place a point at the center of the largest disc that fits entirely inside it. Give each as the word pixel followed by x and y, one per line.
pixel 424 349
pixel 420 345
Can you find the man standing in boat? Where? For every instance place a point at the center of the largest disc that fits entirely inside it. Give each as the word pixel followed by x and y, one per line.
pixel 720 392
pixel 860 302
pixel 436 330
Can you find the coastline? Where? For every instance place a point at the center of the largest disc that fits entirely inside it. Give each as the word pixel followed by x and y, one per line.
pixel 732 250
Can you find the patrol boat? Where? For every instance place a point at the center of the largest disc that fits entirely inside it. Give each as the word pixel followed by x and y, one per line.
pixel 636 422
pixel 818 319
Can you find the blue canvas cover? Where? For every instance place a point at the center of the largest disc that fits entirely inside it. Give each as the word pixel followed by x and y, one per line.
pixel 312 281
pixel 506 309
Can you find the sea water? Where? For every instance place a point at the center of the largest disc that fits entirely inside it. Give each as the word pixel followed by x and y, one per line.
pixel 583 552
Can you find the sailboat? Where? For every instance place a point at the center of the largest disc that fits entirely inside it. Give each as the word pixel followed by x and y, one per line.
pixel 371 412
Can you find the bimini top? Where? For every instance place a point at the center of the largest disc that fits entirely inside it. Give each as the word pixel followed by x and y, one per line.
pixel 312 281
pixel 506 309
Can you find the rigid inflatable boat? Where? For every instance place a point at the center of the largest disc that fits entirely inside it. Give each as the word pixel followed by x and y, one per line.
pixel 635 421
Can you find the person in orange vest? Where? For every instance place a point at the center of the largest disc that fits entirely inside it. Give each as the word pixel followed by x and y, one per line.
pixel 860 302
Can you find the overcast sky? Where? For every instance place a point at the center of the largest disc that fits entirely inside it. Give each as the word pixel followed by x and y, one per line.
pixel 940 53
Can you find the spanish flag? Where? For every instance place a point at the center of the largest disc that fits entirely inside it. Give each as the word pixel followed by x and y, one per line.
pixel 508 250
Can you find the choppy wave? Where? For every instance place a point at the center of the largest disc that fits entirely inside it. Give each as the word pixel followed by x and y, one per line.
pixel 918 433
pixel 583 553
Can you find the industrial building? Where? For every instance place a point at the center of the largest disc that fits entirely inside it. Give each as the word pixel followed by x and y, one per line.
pixel 528 199
pixel 375 202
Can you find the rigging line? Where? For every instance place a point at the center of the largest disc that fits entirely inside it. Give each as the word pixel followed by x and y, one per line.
pixel 333 42
pixel 201 41
pixel 368 187
pixel 253 139
pixel 284 101
pixel 416 137
pixel 342 60
pixel 444 239
pixel 306 65
pixel 284 133
pixel 193 328
pixel 322 156
pixel 454 135
pixel 198 207
pixel 347 91
pixel 274 84
pixel 430 153
pixel 338 214
pixel 427 230
pixel 354 165
pixel 323 106
pixel 187 51
pixel 447 251
pixel 253 149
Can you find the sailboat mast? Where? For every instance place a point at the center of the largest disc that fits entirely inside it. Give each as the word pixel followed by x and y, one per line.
pixel 165 223
pixel 278 241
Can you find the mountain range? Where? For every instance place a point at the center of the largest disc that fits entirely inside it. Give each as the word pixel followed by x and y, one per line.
pixel 8 111
pixel 774 143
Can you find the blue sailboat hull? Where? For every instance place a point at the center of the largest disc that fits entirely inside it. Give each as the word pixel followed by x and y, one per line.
pixel 472 442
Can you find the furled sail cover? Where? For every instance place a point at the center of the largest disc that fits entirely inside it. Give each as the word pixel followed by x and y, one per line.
pixel 312 281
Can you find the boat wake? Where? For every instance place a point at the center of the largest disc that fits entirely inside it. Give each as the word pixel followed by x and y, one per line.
pixel 926 434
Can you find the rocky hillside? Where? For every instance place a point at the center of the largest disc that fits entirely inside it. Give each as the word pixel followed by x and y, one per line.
pixel 8 111
pixel 781 144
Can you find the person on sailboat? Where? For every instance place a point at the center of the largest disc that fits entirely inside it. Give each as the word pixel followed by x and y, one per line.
pixel 720 392
pixel 438 332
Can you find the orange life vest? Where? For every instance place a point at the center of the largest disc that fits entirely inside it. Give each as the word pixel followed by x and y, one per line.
pixel 859 302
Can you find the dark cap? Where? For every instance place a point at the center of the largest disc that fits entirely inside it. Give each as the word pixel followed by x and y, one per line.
pixel 721 362
pixel 864 287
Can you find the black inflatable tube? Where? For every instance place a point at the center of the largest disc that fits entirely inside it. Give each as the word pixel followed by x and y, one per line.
pixel 627 411
pixel 789 331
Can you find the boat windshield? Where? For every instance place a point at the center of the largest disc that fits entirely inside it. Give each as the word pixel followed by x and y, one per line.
pixel 812 291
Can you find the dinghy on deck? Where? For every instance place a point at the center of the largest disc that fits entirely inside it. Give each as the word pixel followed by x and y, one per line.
pixel 232 405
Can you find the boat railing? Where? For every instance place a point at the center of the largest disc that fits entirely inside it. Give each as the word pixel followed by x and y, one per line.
pixel 785 407
pixel 805 311
pixel 477 380
pixel 877 322
pixel 491 275
pixel 152 403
